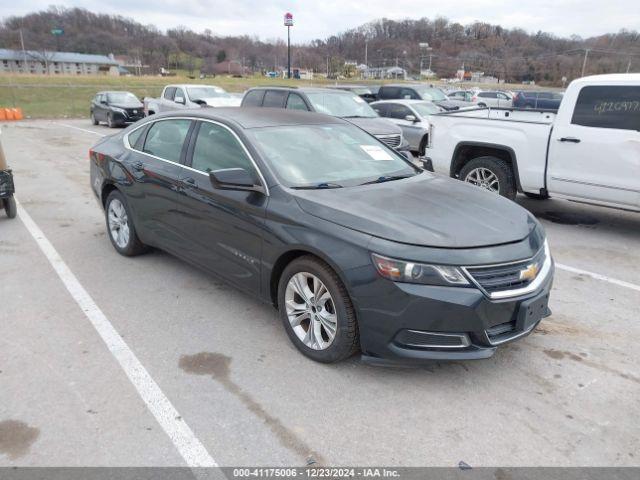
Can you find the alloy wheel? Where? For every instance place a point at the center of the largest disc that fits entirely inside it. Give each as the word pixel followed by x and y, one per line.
pixel 483 178
pixel 118 223
pixel 311 311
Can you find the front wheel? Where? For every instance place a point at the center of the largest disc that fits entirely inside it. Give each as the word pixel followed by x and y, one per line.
pixel 490 173
pixel 122 232
pixel 94 120
pixel 10 207
pixel 110 122
pixel 536 196
pixel 316 311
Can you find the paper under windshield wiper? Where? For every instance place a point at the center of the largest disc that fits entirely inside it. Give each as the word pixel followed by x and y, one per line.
pixel 318 186
pixel 388 178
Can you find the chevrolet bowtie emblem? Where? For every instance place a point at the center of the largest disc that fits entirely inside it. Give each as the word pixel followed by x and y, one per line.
pixel 530 272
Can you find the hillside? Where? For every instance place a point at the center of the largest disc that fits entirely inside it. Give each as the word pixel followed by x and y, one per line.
pixel 511 54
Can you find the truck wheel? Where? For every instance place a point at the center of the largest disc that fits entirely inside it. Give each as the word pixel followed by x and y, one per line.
pixel 10 207
pixel 492 174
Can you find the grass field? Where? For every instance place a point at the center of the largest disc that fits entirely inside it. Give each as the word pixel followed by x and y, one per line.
pixel 59 96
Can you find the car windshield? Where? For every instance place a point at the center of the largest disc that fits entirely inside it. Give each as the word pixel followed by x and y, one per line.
pixel 361 91
pixel 341 104
pixel 197 93
pixel 337 155
pixel 425 109
pixel 122 97
pixel 428 93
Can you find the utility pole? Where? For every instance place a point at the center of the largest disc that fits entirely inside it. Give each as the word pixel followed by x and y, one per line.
pixel 628 66
pixel 584 63
pixel 288 22
pixel 24 53
pixel 366 47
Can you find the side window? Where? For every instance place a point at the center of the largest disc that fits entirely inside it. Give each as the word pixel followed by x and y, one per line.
pixel 544 96
pixel 274 98
pixel 398 111
pixel 295 102
pixel 389 92
pixel 608 107
pixel 409 94
pixel 166 138
pixel 502 96
pixel 381 109
pixel 134 137
pixel 179 95
pixel 169 93
pixel 216 148
pixel 253 98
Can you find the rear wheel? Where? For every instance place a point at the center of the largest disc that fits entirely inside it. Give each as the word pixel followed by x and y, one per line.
pixel 10 207
pixel 490 173
pixel 122 232
pixel 316 311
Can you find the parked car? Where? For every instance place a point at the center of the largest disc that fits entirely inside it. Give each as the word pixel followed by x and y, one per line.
pixel 338 103
pixel 461 95
pixel 419 92
pixel 546 100
pixel 115 108
pixel 179 97
pixel 412 116
pixel 362 91
pixel 356 247
pixel 492 98
pixel 588 152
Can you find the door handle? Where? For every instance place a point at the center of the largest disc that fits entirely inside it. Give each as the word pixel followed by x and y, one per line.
pixel 569 139
pixel 190 182
pixel 139 166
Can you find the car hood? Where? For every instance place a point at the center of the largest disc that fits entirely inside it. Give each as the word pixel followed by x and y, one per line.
pixel 127 105
pixel 375 126
pixel 425 210
pixel 222 101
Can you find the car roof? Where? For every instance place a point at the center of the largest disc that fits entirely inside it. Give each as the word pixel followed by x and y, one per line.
pixel 333 91
pixel 250 117
pixel 403 101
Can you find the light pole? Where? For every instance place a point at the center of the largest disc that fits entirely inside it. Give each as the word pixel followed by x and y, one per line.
pixel 288 22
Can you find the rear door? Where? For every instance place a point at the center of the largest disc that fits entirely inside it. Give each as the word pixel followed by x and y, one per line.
pixel 154 163
pixel 594 151
pixel 221 229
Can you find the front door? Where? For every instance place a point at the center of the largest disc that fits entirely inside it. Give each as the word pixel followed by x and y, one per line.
pixel 221 229
pixel 594 151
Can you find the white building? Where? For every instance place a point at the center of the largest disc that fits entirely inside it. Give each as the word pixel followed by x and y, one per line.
pixel 56 63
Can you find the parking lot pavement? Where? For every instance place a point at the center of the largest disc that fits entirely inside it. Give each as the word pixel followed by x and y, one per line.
pixel 566 395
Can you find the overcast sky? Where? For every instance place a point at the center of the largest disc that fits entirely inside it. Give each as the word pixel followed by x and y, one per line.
pixel 321 18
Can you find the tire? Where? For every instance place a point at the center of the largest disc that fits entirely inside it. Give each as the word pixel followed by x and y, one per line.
pixel 497 167
pixel 131 246
pixel 536 196
pixel 110 122
pixel 94 120
pixel 346 341
pixel 10 207
pixel 422 149
pixel 482 105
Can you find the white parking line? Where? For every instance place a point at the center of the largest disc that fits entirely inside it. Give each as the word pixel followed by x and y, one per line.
pixel 190 448
pixel 78 128
pixel 597 276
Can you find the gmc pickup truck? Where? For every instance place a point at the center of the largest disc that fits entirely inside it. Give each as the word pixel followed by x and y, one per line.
pixel 177 97
pixel 589 151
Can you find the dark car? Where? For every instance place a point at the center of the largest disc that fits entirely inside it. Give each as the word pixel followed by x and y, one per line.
pixel 338 103
pixel 362 91
pixel 356 247
pixel 541 100
pixel 419 92
pixel 116 108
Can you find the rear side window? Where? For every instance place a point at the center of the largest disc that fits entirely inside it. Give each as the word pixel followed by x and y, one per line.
pixel 253 98
pixel 295 102
pixel 217 148
pixel 166 138
pixel 409 93
pixel 608 107
pixel 381 109
pixel 169 93
pixel 389 92
pixel 134 137
pixel 274 98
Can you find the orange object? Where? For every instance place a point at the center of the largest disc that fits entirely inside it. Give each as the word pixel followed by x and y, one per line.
pixel 2 114
pixel 17 114
pixel 8 113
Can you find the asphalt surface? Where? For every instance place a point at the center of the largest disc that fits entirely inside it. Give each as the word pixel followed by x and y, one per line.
pixel 567 395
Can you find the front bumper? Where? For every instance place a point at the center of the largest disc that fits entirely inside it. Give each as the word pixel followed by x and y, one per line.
pixel 416 323
pixel 121 117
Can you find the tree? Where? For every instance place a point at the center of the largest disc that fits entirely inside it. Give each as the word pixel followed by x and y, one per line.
pixel 221 56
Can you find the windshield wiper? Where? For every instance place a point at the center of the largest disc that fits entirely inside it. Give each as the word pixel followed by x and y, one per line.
pixel 388 178
pixel 318 186
pixel 356 116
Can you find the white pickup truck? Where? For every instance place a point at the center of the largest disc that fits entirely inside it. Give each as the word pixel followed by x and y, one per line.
pixel 589 151
pixel 177 97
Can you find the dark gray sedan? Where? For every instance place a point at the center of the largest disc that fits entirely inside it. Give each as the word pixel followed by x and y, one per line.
pixel 357 248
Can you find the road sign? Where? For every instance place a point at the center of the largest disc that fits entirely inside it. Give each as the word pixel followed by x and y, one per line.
pixel 57 31
pixel 288 20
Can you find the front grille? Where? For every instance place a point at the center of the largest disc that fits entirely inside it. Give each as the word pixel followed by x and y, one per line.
pixel 508 277
pixel 392 141
pixel 134 112
pixel 417 338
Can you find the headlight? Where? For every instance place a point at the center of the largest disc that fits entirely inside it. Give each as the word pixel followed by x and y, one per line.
pixel 410 272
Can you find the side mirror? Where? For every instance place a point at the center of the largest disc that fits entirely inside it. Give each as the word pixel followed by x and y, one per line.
pixel 179 100
pixel 103 102
pixel 234 179
pixel 411 118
